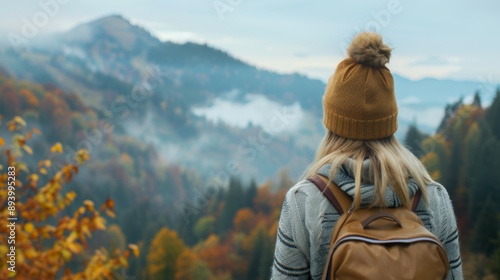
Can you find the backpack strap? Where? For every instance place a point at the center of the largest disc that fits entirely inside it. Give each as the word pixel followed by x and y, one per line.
pixel 416 200
pixel 337 198
pixel 340 200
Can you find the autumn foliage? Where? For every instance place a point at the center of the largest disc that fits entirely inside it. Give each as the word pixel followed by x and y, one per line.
pixel 46 239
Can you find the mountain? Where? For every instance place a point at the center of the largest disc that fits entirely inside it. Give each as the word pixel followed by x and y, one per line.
pixel 112 33
pixel 199 100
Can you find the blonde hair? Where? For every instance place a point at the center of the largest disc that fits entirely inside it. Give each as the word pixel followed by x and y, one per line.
pixel 391 163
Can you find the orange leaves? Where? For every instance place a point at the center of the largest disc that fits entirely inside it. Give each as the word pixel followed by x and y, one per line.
pixel 244 220
pixel 109 207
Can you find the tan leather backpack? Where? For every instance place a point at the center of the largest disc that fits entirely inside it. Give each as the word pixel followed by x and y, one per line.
pixel 375 243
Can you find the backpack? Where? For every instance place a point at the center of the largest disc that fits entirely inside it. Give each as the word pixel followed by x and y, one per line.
pixel 376 243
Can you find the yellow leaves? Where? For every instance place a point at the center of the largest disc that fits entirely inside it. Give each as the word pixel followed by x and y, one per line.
pixel 57 148
pixel 89 205
pixel 69 197
pixel 20 141
pixel 28 149
pixel 45 163
pixel 22 166
pixel 51 244
pixel 66 254
pixel 82 156
pixel 86 230
pixel 16 123
pixel 68 171
pixel 134 248
pixel 33 177
pixel 74 247
pixel 99 223
pixel 29 228
pixel 110 213
pixel 81 211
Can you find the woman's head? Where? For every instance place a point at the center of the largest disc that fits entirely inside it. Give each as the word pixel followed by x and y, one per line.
pixel 360 114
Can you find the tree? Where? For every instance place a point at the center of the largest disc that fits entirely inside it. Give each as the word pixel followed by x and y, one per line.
pixel 190 267
pixel 250 194
pixel 413 140
pixel 261 256
pixel 163 254
pixel 232 203
pixel 449 112
pixel 493 115
pixel 245 220
pixel 46 240
pixel 217 255
pixel 495 268
pixel 204 227
pixel 486 228
pixel 477 100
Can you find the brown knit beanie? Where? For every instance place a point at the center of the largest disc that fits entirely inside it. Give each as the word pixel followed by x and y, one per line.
pixel 359 101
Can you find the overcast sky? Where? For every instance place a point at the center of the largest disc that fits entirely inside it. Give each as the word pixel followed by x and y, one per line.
pixel 442 39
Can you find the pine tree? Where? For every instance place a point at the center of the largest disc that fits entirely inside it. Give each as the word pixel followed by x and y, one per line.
pixel 477 100
pixel 257 251
pixel 449 112
pixel 414 140
pixel 495 267
pixel 493 115
pixel 486 228
pixel 261 258
pixel 250 194
pixel 232 203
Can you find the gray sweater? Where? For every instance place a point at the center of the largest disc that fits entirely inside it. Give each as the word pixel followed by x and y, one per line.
pixel 307 221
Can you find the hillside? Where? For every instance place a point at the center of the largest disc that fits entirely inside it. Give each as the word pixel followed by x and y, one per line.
pixel 191 88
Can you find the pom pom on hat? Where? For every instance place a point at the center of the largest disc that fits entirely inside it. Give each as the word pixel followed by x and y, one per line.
pixel 368 49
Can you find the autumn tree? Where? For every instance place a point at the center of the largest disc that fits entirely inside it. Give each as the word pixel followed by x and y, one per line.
pixel 190 267
pixel 47 240
pixel 204 227
pixel 163 254
pixel 245 220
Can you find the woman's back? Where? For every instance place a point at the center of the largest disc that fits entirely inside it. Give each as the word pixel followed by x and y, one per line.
pixel 308 220
pixel 360 155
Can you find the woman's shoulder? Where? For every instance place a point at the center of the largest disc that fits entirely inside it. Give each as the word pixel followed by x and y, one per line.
pixel 302 189
pixel 437 193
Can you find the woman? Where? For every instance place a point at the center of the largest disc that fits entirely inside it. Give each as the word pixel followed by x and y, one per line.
pixel 361 156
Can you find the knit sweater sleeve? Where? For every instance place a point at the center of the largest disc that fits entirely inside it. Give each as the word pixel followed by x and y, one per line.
pixel 446 228
pixel 291 255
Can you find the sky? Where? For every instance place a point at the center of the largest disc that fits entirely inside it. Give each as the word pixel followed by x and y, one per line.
pixel 444 39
